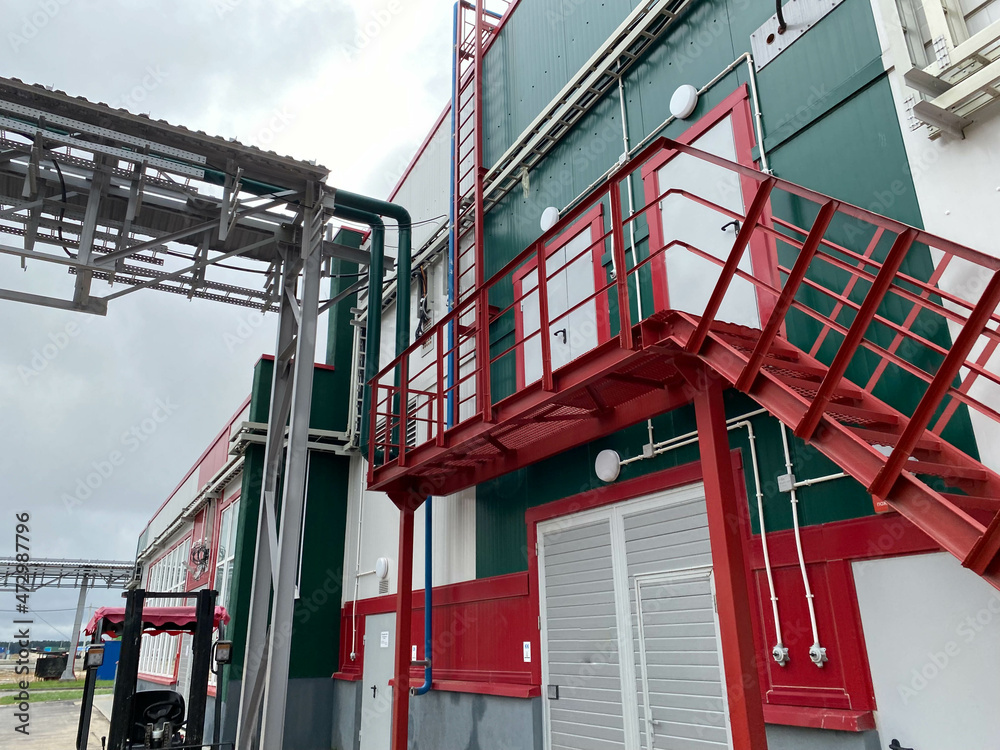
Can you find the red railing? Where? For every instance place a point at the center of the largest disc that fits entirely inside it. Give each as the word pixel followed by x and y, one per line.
pixel 874 299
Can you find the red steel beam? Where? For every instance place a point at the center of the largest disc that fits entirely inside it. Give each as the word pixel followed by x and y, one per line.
pixel 787 296
pixel 746 714
pixel 404 607
pixel 856 334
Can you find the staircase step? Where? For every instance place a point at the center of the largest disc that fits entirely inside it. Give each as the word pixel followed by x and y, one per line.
pixel 843 390
pixel 848 414
pixel 973 501
pixel 813 371
pixel 967 473
pixel 880 437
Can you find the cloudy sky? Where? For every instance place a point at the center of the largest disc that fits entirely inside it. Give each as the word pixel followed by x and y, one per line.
pixel 353 84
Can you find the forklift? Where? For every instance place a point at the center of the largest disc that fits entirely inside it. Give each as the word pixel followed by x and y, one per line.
pixel 155 718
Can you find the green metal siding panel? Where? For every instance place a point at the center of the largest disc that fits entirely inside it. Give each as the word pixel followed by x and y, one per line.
pixel 501 533
pixel 317 612
pixel 853 152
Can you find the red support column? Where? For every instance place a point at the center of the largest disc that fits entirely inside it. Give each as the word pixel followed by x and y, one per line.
pixel 746 713
pixel 404 607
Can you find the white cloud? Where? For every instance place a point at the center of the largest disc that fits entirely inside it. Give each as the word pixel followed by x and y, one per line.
pixel 293 74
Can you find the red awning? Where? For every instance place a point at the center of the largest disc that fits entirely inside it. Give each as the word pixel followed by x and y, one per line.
pixel 155 620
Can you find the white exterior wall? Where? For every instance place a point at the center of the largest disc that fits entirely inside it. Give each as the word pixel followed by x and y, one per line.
pixel 454 525
pixel 425 191
pixel 425 194
pixel 957 185
pixel 932 631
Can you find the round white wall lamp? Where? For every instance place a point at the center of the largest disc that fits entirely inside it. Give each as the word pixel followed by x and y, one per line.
pixel 683 102
pixel 550 217
pixel 382 568
pixel 608 465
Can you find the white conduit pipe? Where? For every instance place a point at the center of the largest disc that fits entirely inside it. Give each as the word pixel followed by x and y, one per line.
pixel 357 577
pixel 758 119
pixel 817 654
pixel 779 652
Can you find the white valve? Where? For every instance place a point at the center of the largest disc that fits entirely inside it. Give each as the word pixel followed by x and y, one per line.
pixel 780 654
pixel 817 654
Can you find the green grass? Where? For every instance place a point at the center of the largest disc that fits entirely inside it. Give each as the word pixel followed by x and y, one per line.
pixel 46 696
pixel 56 685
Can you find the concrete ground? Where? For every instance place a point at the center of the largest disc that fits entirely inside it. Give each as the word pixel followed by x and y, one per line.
pixel 53 726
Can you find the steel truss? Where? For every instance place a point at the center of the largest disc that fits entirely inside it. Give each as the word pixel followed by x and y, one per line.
pixel 125 200
pixel 65 574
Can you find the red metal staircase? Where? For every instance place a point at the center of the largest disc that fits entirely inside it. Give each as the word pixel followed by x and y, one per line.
pixel 843 324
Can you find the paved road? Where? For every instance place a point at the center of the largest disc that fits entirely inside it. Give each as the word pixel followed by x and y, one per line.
pixel 52 727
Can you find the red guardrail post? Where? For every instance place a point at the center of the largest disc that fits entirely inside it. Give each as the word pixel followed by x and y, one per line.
pixel 856 334
pixel 621 267
pixel 440 386
pixel 543 316
pixel 938 387
pixel 787 296
pixel 483 353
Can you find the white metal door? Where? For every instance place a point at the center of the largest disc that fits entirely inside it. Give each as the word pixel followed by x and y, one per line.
pixel 680 661
pixel 376 696
pixel 632 579
pixel 691 278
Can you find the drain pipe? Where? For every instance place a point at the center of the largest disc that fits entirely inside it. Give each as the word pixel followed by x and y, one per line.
pixel 780 651
pixel 428 600
pixel 817 654
pixel 450 379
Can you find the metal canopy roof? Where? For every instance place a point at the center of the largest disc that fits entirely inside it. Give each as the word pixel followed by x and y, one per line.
pixel 103 191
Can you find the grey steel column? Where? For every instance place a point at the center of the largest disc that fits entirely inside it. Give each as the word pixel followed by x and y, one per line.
pixel 265 556
pixel 77 622
pixel 293 496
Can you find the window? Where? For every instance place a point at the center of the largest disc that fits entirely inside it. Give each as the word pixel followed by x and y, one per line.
pixel 158 654
pixel 578 320
pixel 226 552
pixel 683 279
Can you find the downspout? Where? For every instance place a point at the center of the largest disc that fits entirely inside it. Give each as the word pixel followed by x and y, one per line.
pixel 428 598
pixel 450 379
pixel 452 237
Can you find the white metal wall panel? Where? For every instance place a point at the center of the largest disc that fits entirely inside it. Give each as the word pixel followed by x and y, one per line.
pixel 424 192
pixel 582 639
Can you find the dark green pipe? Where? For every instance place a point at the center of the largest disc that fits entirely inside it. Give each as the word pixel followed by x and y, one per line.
pixel 403 259
pixel 373 325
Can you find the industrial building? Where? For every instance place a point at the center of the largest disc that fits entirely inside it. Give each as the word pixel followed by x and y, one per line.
pixel 724 474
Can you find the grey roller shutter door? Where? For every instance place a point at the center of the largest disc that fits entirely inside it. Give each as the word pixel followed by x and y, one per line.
pixel 582 638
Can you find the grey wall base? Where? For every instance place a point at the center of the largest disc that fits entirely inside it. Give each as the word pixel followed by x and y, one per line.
pixel 448 720
pixel 485 722
pixel 308 714
pixel 801 738
pixel 346 714
pixel 475 722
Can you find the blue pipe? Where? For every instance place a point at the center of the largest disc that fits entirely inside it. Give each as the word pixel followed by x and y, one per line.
pixel 428 597
pixel 452 238
pixel 450 414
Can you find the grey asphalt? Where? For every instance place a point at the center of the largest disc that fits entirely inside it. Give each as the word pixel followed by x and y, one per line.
pixel 52 726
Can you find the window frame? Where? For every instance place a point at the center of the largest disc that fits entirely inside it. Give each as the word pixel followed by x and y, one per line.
pixel 594 219
pixel 763 253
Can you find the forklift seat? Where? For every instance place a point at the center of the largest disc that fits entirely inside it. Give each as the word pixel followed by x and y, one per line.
pixel 156 707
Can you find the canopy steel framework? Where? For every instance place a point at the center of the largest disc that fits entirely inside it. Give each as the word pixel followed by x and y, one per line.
pixel 66 574
pixel 133 203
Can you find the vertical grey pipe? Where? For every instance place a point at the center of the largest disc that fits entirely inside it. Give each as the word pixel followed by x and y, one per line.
pixel 428 597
